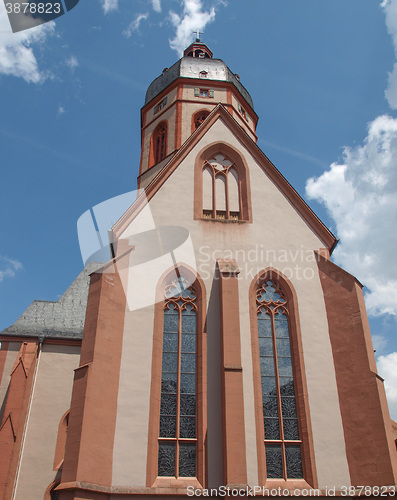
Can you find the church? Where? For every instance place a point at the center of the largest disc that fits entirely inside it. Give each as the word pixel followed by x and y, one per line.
pixel 218 350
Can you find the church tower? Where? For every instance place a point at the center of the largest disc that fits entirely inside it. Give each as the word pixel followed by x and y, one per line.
pixel 221 347
pixel 181 98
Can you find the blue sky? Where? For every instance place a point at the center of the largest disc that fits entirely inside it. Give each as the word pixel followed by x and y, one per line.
pixel 322 78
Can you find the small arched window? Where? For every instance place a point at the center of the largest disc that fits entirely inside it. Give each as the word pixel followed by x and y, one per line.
pixel 158 148
pixel 198 118
pixel 221 192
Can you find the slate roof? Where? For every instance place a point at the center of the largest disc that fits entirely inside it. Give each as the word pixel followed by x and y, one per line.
pixel 190 67
pixel 63 319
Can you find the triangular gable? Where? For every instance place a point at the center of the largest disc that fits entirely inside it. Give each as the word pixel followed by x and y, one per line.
pixel 272 172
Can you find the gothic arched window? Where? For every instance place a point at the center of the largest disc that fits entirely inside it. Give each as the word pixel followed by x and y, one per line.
pixel 280 417
pixel 158 149
pixel 221 189
pixel 177 423
pixel 177 436
pixel 284 436
pixel 221 185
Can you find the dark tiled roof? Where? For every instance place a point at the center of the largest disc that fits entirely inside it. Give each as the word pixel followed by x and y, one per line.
pixel 189 67
pixel 63 319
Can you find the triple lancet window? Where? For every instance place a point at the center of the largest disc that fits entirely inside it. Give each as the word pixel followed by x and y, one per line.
pixel 280 417
pixel 177 437
pixel 221 194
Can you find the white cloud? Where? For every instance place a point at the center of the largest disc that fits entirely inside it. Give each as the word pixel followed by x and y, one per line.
pixel 361 197
pixel 109 5
pixel 8 267
pixel 192 18
pixel 134 25
pixel 387 368
pixel 16 53
pixel 156 5
pixel 61 110
pixel 390 9
pixel 72 63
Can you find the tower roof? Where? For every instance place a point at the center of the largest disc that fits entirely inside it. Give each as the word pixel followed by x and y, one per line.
pixel 197 58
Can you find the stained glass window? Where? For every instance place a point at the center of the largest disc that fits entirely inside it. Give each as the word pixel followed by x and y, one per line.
pixel 177 434
pixel 280 416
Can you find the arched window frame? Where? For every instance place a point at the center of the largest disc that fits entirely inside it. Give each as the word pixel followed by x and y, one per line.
pixel 152 478
pixel 240 167
pixel 202 113
pixel 302 403
pixel 61 441
pixel 51 493
pixel 158 143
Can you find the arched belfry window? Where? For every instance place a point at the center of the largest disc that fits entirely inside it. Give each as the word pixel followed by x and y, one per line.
pixel 198 118
pixel 158 147
pixel 177 436
pixel 221 191
pixel 280 416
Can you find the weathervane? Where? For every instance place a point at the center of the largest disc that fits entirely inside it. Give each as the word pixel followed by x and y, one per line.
pixel 198 32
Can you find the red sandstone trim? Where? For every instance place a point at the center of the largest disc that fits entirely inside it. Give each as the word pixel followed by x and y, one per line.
pixel 197 82
pixel 370 450
pixel 96 385
pixel 178 118
pixel 14 416
pixel 61 441
pixel 48 340
pixel 233 426
pixel 3 357
pixel 98 492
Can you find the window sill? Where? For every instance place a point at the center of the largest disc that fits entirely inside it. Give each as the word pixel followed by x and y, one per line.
pixel 233 221
pixel 176 483
pixel 290 484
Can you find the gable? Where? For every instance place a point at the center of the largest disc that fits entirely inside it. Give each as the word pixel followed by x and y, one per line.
pixel 171 193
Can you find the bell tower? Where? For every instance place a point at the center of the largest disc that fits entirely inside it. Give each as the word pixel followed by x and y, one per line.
pixel 180 99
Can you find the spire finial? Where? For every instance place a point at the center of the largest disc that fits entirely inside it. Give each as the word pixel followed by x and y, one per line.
pixel 198 33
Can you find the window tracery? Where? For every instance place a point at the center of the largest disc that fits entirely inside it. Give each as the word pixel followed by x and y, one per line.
pixel 280 417
pixel 177 436
pixel 221 192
